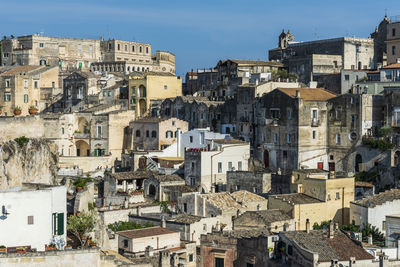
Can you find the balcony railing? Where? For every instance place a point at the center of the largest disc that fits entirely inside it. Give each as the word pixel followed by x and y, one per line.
pixel 82 135
pixel 315 122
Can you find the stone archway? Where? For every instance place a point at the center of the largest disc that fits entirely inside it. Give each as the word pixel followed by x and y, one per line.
pixel 152 191
pixel 82 148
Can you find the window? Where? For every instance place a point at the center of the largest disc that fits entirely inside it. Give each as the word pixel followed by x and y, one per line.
pixel 154 134
pixel 393 50
pixel 190 257
pixel 219 167
pixel 393 32
pixel 109 93
pixel 133 48
pixel 184 207
pixel 126 48
pixel 165 87
pixel 314 134
pixel 284 154
pixel 335 63
pixel 137 133
pixel 275 138
pixel 168 134
pixel 337 195
pixel 383 225
pixel 192 166
pixel 239 165
pixel 173 123
pixel 147 133
pixel 338 139
pixel 91 49
pixel 246 97
pixel 119 47
pixel 288 138
pixel 314 113
pixel 58 223
pixel 147 50
pixel 62 130
pixel 289 114
pixel 7 97
pixel 126 243
pixel 41 44
pixel 99 131
pixel 219 262
pixel 30 219
pixel 191 139
pixel 25 83
pixel 347 77
pixel 109 46
pixel 230 165
pixel 275 113
pixel 140 49
pixel 7 83
pixel 204 227
pixel 25 98
pixel 133 90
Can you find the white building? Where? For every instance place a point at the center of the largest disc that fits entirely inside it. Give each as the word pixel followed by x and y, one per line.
pixel 206 168
pixel 33 216
pixel 374 209
pixel 392 230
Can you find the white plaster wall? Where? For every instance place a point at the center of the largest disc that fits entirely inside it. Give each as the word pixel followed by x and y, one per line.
pixel 140 244
pixel 378 214
pixel 14 228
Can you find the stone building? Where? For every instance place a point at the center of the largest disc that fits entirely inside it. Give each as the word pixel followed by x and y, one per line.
pixel 323 248
pixel 202 82
pixel 380 36
pixel 373 209
pixel 393 41
pixel 67 53
pixel 25 86
pixel 206 168
pixel 152 133
pixel 291 128
pixel 151 86
pixel 249 248
pixel 156 187
pixel 316 196
pixel 273 220
pixel 77 88
pixel 309 59
pixel 256 182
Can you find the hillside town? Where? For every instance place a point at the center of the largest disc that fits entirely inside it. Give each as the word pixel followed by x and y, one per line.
pixel 109 158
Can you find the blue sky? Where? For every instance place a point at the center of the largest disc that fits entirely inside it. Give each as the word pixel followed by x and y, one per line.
pixel 201 32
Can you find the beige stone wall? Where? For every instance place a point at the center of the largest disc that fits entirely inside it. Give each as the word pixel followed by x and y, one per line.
pixel 67 258
pixel 172 124
pixel 87 164
pixel 116 124
pixel 393 41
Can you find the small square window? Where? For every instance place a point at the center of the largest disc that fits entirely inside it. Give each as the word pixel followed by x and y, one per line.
pixel 41 44
pixel 190 257
pixel 126 243
pixel 337 195
pixel 30 219
pixel 165 87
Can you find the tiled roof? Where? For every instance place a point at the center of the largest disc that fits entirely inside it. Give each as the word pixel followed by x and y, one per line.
pixel 340 247
pixel 181 188
pixel 379 199
pixel 267 216
pixel 297 198
pixel 393 66
pixel 309 94
pixel 145 232
pixel 132 175
pixel 246 233
pixel 244 196
pixel 222 200
pixel 169 178
pixel 21 69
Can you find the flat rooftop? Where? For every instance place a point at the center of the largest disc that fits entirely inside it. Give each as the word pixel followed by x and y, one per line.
pixel 146 232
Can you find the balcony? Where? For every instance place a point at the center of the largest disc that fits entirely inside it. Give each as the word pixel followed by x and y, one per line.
pixel 79 135
pixel 315 122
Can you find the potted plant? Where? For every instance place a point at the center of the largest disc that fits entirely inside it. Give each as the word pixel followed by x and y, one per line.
pixel 68 247
pixel 92 243
pixel 3 249
pixel 32 110
pixel 17 111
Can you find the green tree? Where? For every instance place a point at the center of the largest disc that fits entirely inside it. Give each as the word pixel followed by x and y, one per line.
pixel 79 226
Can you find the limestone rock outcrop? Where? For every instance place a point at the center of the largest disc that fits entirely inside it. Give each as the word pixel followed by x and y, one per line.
pixel 34 161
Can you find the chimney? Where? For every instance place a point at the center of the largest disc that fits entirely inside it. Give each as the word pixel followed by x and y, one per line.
pixel 298 94
pixel 331 231
pixel 370 239
pixel 163 222
pixel 307 226
pixel 179 142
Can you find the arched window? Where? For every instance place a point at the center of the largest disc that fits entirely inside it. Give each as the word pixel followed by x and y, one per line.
pixel 143 69
pixel 137 133
pixel 169 134
pixel 129 68
pixel 154 134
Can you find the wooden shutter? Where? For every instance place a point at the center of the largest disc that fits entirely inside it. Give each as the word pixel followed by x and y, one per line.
pixel 60 223
pixel 54 223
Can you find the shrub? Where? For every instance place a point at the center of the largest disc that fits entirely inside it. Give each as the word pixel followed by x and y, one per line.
pixel 17 108
pixel 122 226
pixel 22 141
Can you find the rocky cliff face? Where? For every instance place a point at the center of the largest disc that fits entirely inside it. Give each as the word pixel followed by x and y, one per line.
pixel 32 162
